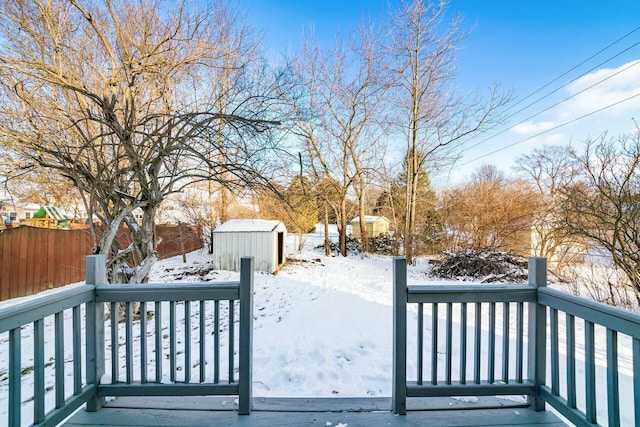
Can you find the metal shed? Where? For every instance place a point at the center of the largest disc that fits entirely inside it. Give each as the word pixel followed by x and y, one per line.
pixel 264 240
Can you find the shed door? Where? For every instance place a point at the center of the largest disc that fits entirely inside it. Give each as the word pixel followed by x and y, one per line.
pixel 280 248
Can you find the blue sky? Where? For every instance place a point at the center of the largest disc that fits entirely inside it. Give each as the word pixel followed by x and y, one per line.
pixel 522 45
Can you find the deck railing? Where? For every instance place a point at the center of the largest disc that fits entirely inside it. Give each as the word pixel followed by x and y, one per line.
pixel 509 355
pixel 210 316
pixel 58 320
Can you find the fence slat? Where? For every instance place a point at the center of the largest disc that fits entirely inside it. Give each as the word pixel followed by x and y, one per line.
pixel 420 343
pixel 115 346
pixel 187 341
pixel 590 372
pixel 172 341
pixel 505 342
pixel 519 341
pixel 203 346
pixel 492 343
pixel 15 376
pixel 636 379
pixel 463 343
pixel 128 343
pixel 571 361
pixel 77 350
pixel 555 355
pixel 157 314
pixel 59 356
pixel 231 341
pixel 143 342
pixel 477 343
pixel 216 342
pixel 613 390
pixel 38 371
pixel 449 342
pixel 434 343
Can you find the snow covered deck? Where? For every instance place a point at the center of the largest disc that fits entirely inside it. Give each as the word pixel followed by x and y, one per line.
pixel 331 412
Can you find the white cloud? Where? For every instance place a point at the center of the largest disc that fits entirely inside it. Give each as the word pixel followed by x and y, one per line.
pixel 592 94
pixel 588 94
pixel 530 127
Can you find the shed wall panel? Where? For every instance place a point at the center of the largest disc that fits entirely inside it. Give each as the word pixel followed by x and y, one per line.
pixel 229 247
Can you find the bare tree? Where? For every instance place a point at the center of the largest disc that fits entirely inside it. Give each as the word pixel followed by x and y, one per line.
pixel 115 96
pixel 603 205
pixel 491 212
pixel 335 120
pixel 550 169
pixel 434 120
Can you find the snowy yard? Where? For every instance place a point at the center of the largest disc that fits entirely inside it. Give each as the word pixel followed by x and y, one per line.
pixel 322 328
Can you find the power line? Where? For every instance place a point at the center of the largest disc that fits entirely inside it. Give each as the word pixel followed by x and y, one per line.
pixel 550 129
pixel 576 66
pixel 556 104
pixel 573 80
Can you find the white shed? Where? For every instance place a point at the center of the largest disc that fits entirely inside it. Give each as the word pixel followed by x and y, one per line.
pixel 264 240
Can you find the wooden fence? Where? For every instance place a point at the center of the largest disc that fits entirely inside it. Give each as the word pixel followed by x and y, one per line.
pixel 36 259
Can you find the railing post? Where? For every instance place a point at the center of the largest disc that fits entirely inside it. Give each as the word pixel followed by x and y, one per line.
pixel 537 333
pixel 399 386
pixel 246 336
pixel 96 274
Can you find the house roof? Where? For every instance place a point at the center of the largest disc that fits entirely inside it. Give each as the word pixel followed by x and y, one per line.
pixel 249 225
pixel 370 219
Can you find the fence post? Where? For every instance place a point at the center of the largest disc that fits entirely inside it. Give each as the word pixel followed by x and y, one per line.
pixel 96 274
pixel 537 333
pixel 246 336
pixel 399 385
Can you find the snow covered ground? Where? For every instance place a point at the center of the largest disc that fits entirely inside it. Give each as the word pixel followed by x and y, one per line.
pixel 322 328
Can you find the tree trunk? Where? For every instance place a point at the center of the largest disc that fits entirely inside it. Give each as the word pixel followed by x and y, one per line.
pixel 342 227
pixel 327 244
pixel 364 232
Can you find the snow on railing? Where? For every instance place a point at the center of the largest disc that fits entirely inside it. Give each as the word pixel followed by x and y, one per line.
pixel 499 322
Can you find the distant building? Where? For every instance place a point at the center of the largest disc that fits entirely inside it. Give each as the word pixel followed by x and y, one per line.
pixel 376 225
pixel 264 240
pixel 14 213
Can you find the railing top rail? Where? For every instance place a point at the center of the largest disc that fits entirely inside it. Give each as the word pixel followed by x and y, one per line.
pixel 611 317
pixel 168 292
pixel 40 306
pixel 471 293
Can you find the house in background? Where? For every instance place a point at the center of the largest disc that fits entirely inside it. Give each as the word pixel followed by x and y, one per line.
pixel 14 213
pixel 264 240
pixel 376 225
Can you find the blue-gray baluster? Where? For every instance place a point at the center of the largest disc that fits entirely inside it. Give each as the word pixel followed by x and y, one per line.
pixel 399 380
pixel 246 336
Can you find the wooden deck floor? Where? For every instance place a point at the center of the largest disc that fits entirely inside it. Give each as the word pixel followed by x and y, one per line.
pixel 351 412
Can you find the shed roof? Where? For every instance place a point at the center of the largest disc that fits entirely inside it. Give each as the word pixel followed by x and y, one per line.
pixel 51 212
pixel 368 219
pixel 248 225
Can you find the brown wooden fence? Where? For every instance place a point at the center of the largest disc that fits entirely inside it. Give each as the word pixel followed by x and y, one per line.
pixel 35 259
